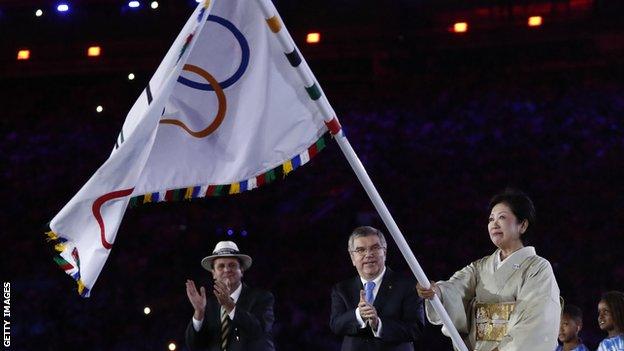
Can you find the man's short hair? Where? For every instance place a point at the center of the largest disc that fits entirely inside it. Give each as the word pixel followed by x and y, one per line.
pixel 573 312
pixel 364 231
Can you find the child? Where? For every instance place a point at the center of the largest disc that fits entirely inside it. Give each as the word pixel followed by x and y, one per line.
pixel 571 325
pixel 611 320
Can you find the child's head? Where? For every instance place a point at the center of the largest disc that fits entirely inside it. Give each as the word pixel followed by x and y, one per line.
pixel 571 323
pixel 611 312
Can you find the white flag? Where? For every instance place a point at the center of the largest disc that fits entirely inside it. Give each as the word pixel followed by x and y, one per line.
pixel 225 112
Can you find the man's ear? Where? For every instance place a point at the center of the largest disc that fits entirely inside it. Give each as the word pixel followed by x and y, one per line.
pixel 351 256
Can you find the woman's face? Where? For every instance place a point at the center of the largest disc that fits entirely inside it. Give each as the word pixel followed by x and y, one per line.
pixel 504 228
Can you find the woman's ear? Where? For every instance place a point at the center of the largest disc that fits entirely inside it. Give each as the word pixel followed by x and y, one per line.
pixel 524 226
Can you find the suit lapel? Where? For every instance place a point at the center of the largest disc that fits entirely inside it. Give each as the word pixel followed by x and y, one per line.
pixel 215 309
pixel 243 298
pixel 384 290
pixel 356 286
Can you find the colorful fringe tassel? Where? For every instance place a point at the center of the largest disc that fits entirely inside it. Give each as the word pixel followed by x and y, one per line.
pixel 267 177
pixel 58 243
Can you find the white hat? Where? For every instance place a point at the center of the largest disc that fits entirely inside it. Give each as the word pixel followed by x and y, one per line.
pixel 226 249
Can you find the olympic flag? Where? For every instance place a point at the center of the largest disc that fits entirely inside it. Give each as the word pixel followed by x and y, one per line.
pixel 224 112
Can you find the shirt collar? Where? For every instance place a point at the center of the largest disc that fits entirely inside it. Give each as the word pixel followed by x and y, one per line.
pixel 377 280
pixel 236 293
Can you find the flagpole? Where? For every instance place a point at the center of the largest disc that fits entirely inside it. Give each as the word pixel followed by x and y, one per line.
pixel 315 93
pixel 368 185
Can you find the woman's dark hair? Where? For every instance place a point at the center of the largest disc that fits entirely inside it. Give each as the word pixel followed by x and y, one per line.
pixel 519 203
pixel 615 301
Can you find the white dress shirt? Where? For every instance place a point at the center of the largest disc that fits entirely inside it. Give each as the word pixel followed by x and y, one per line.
pixel 377 282
pixel 234 295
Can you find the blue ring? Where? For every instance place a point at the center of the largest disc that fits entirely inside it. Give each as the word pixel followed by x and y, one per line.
pixel 241 68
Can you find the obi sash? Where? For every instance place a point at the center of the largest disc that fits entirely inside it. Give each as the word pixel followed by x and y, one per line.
pixel 491 320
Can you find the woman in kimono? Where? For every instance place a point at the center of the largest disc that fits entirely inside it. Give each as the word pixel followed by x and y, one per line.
pixel 508 301
pixel 611 320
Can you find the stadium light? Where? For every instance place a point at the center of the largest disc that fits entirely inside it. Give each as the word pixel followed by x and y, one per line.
pixel 460 27
pixel 313 38
pixel 172 346
pixel 131 76
pixel 23 55
pixel 62 7
pixel 39 13
pixel 535 21
pixel 134 4
pixel 99 109
pixel 147 310
pixel 94 51
pixel 154 5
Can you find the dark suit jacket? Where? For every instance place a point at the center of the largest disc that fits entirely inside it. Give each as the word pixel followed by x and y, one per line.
pixel 397 304
pixel 251 328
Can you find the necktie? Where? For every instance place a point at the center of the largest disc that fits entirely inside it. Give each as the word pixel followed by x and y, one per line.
pixel 368 289
pixel 225 329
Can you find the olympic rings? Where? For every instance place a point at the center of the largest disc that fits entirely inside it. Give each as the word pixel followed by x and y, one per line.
pixel 241 68
pixel 96 209
pixel 220 98
pixel 213 84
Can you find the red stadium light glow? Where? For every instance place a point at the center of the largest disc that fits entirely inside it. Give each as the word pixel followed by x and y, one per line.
pixel 535 21
pixel 94 51
pixel 460 27
pixel 313 38
pixel 23 55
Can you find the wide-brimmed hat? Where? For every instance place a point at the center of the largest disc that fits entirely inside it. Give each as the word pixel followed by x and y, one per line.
pixel 226 249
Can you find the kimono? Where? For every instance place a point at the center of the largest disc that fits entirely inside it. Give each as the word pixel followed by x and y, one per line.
pixel 615 343
pixel 514 307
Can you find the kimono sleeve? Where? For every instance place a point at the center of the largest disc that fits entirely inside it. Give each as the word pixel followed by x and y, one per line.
pixel 456 296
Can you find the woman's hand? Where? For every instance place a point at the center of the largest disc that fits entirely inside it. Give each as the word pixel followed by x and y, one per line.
pixel 428 293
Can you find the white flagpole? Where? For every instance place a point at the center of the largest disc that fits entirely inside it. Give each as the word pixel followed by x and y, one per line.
pixel 315 92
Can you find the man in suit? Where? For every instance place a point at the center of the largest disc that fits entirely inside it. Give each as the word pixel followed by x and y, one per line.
pixel 378 309
pixel 235 317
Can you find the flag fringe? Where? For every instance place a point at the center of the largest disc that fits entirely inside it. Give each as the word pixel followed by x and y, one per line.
pixel 51 236
pixel 204 191
pixel 73 270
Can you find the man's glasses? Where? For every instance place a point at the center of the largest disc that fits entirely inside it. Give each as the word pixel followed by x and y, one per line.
pixel 373 250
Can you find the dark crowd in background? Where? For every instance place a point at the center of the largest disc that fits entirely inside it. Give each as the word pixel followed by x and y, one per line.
pixel 435 160
pixel 437 141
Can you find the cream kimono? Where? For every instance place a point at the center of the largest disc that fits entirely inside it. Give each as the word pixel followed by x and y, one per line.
pixel 515 307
